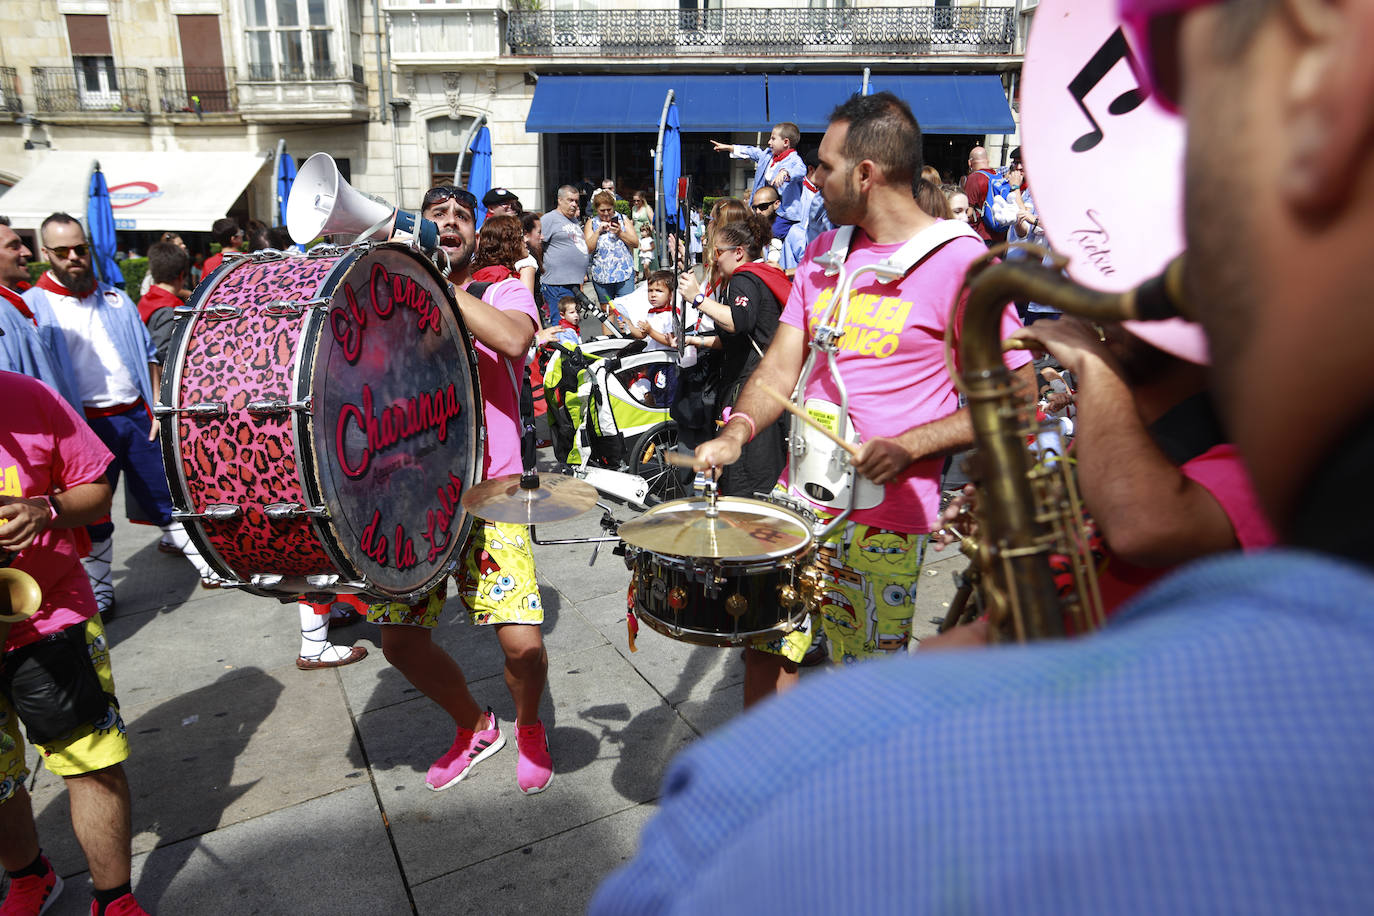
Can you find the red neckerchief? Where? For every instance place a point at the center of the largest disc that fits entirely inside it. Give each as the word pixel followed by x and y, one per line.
pixel 51 284
pixel 18 302
pixel 659 309
pixel 809 186
pixel 492 273
pixel 156 298
pixel 777 282
pixel 573 326
pixel 779 157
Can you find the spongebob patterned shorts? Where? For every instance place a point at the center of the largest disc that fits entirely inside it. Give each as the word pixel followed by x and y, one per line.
pixel 868 594
pixel 90 748
pixel 495 579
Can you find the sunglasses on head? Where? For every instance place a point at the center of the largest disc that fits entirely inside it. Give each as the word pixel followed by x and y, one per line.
pixel 1152 30
pixel 66 251
pixel 436 196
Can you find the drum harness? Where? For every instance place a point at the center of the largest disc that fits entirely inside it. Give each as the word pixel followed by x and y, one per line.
pixel 830 327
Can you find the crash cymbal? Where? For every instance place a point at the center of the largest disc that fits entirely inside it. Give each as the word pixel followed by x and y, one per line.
pixel 743 528
pixel 502 499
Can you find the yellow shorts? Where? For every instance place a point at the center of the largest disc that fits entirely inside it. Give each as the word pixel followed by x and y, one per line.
pixel 495 579
pixel 86 750
pixel 868 594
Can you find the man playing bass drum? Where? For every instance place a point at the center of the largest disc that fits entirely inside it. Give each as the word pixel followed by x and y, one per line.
pixel 902 403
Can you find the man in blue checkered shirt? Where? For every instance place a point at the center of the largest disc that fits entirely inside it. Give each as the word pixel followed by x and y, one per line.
pixel 1212 749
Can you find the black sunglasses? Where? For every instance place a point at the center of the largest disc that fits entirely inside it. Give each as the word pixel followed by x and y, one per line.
pixel 442 193
pixel 761 207
pixel 64 251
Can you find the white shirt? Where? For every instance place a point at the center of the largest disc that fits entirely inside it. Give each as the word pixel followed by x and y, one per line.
pixel 102 379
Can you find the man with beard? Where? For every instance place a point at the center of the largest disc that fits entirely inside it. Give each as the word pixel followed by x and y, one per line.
pixel 116 376
pixel 1209 750
pixel 496 575
pixel 24 348
pixel 903 407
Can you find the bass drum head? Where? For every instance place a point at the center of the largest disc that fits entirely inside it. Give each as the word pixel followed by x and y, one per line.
pixel 397 421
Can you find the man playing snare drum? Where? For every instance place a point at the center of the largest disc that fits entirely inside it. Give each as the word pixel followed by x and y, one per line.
pixel 902 402
pixel 496 576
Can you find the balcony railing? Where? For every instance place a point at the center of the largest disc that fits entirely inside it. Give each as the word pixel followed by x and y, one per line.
pixel 304 72
pixel 196 90
pixel 762 32
pixel 70 89
pixel 9 91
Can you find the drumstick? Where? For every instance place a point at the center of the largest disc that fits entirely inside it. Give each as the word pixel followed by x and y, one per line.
pixel 811 421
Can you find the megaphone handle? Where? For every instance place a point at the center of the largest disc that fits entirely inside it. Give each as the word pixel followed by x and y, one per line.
pixel 380 224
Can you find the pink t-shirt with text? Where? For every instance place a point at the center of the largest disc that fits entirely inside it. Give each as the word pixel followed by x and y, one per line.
pixel 45 448
pixel 892 358
pixel 500 377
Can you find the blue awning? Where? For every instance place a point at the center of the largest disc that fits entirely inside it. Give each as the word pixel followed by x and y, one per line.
pixel 942 104
pixel 634 102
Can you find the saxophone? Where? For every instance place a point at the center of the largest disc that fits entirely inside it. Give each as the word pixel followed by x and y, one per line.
pixel 1027 508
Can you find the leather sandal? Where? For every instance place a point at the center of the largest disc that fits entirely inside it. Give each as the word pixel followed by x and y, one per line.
pixel 355 654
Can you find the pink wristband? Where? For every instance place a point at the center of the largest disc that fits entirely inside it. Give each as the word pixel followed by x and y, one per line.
pixel 731 414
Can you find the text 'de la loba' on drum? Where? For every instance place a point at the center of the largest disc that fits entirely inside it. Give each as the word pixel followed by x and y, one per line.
pixel 321 422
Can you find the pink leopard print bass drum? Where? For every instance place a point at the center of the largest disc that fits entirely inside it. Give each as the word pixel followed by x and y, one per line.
pixel 322 421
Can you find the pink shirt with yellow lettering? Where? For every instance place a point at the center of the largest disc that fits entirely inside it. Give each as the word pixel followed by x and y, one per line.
pixel 892 358
pixel 46 448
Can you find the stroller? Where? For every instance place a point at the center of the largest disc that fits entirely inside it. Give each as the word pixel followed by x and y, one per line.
pixel 607 406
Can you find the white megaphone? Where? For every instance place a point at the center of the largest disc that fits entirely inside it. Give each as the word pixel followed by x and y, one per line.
pixel 322 203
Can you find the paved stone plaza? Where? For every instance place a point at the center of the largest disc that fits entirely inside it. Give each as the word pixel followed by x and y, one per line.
pixel 259 788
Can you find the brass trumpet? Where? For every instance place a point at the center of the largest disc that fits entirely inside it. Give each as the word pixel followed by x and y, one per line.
pixel 20 596
pixel 1028 508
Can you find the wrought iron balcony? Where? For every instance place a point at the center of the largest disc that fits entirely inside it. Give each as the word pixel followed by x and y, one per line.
pixel 762 32
pixel 98 88
pixel 9 91
pixel 196 90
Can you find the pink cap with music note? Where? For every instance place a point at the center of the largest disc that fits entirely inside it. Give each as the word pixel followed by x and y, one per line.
pixel 1104 159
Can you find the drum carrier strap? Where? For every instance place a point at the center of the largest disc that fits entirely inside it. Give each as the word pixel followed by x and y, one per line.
pixel 830 327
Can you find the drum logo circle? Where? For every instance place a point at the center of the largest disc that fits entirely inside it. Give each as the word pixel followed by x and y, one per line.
pixel 400 424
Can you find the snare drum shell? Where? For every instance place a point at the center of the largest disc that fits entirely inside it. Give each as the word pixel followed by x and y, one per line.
pixel 237 344
pixel 672 596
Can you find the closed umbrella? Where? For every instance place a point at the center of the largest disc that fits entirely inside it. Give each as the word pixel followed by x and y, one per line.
pixel 672 162
pixel 479 175
pixel 286 176
pixel 100 225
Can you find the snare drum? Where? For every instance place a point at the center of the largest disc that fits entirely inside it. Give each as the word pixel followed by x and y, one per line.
pixel 322 420
pixel 728 601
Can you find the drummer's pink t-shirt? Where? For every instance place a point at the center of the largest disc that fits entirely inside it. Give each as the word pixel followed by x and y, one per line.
pixel 500 377
pixel 892 359
pixel 46 448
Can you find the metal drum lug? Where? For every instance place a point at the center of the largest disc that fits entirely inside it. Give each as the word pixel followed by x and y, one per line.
pixel 279 512
pixel 736 605
pixel 322 582
pixel 206 410
pixel 265 580
pixel 289 308
pixel 275 407
pixel 221 512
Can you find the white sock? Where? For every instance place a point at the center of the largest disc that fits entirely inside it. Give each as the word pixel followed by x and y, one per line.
pixel 97 565
pixel 175 534
pixel 315 642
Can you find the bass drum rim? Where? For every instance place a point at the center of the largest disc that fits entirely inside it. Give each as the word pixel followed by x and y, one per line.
pixel 305 425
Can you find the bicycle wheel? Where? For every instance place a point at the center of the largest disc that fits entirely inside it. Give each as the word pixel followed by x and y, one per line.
pixel 646 460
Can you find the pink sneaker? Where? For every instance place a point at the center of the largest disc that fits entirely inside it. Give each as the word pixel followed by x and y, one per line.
pixel 121 906
pixel 469 749
pixel 32 895
pixel 534 771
